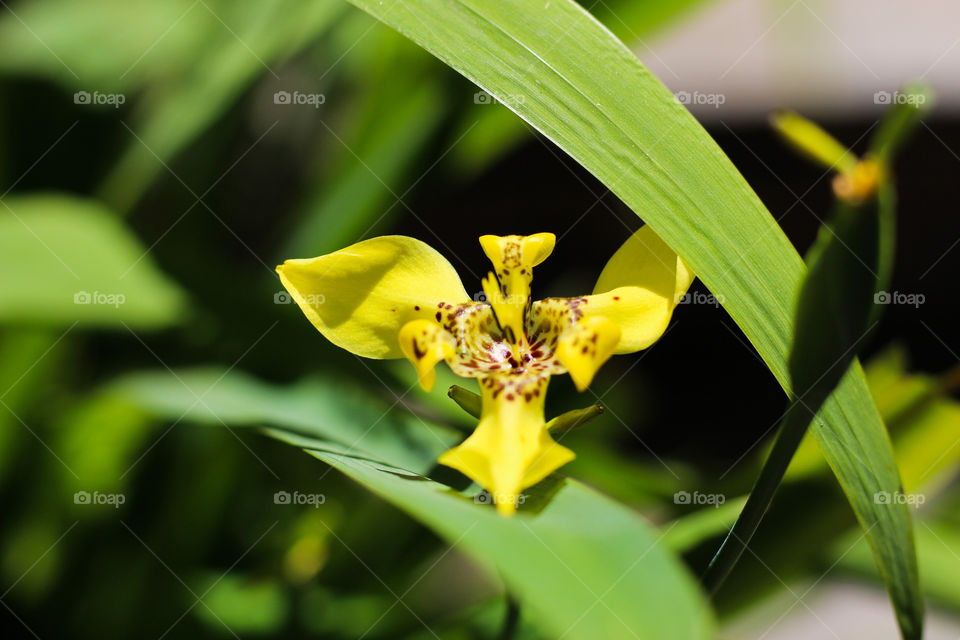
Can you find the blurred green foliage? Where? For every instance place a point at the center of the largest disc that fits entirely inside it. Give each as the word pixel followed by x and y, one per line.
pixel 133 371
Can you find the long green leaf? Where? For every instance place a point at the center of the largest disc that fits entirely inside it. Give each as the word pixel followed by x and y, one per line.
pixel 582 565
pixel 321 408
pixel 589 94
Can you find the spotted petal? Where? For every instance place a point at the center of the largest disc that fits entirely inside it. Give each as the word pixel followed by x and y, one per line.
pixel 425 343
pixel 511 448
pixel 508 287
pixel 361 296
pixel 585 346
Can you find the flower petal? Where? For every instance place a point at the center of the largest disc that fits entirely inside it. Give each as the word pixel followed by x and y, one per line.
pixel 584 347
pixel 425 343
pixel 511 448
pixel 639 288
pixel 360 297
pixel 508 287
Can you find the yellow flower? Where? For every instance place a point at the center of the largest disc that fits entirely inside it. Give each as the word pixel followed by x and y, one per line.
pixel 395 296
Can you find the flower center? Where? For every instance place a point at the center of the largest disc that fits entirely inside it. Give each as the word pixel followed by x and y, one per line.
pixel 512 344
pixel 481 347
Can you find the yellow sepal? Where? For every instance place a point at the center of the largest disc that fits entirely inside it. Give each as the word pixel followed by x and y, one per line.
pixel 639 288
pixel 360 297
pixel 511 448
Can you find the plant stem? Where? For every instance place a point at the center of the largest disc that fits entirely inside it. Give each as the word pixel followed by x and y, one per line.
pixel 511 620
pixel 793 428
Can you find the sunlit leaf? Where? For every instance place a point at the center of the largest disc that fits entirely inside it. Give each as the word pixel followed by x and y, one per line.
pixel 581 564
pixel 625 127
pixel 68 260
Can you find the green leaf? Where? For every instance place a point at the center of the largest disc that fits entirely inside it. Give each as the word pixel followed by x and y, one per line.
pixel 583 567
pixel 581 564
pixel 937 543
pixel 486 131
pixel 848 265
pixel 242 604
pixel 68 259
pixel 324 408
pixel 913 102
pixel 624 126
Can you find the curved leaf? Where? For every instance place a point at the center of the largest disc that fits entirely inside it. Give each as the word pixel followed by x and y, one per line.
pixel 588 93
pixel 582 565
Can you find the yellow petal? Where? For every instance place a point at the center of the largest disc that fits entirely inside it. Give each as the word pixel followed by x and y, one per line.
pixel 584 347
pixel 518 251
pixel 360 297
pixel 425 343
pixel 511 449
pixel 639 288
pixel 508 288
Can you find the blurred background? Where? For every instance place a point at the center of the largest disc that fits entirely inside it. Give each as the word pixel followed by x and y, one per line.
pixel 158 158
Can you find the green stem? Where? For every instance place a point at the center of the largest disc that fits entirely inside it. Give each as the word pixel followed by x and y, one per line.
pixel 511 620
pixel 472 404
pixel 794 426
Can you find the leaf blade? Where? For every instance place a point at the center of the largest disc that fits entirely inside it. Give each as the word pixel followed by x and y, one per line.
pixel 620 123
